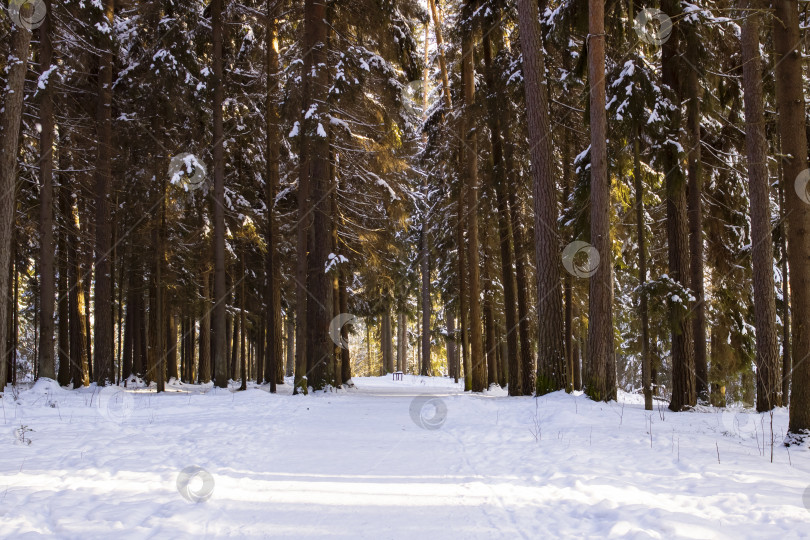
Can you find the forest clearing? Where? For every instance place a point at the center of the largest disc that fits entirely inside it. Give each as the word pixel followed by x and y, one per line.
pixel 405 268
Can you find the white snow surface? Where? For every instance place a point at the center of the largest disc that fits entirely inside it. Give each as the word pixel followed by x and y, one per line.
pixel 357 464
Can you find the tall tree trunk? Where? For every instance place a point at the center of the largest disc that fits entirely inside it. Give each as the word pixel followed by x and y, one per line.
pixel 171 345
pixel 601 383
pixel 785 307
pixel 641 240
pixel 424 258
pixel 290 371
pixel 205 332
pixel 790 106
pixel 470 160
pixel 387 341
pixel 452 343
pixel 493 34
pixel 220 294
pixel 683 358
pixel 345 359
pixel 550 355
pixel 76 297
pixel 316 130
pixel 695 211
pixel 129 326
pixel 47 367
pixel 402 341
pixel 437 27
pixel 767 343
pixel 273 267
pixel 524 379
pixel 10 117
pixel 103 299
pixel 242 353
pixel 63 376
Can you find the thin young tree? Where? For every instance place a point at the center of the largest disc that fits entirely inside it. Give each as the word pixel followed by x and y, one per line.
pixel 47 367
pixel 220 295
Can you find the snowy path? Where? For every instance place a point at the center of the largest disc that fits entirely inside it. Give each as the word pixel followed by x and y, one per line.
pixel 355 465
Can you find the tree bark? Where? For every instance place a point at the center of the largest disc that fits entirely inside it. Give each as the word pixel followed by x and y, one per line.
pixel 470 160
pixel 63 375
pixel 402 341
pixel 601 383
pixel 103 287
pixel 550 355
pixel 220 295
pixel 47 367
pixel 493 34
pixel 683 358
pixel 424 260
pixel 205 332
pixel 641 240
pixel 10 117
pixel 316 129
pixel 790 107
pixel 767 344
pixel 695 212
pixel 274 359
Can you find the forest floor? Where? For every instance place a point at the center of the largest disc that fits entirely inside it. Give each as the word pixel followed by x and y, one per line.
pixel 389 459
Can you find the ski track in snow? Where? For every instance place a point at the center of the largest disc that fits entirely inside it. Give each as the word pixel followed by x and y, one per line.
pixel 353 464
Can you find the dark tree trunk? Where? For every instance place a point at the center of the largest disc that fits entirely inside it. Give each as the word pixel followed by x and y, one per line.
pixel 767 342
pixel 171 346
pixel 791 110
pixel 695 211
pixel 129 325
pixel 424 254
pixel 493 35
pixel 63 376
pixel 76 298
pixel 103 299
pixel 10 117
pixel 318 316
pixel 47 367
pixel 273 267
pixel 220 294
pixel 551 354
pixel 601 381
pixel 402 341
pixel 345 359
pixel 243 369
pixel 290 371
pixel 683 358
pixel 470 160
pixel 204 370
pixel 642 275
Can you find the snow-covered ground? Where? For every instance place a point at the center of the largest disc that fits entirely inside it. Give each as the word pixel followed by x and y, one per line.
pixel 409 459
